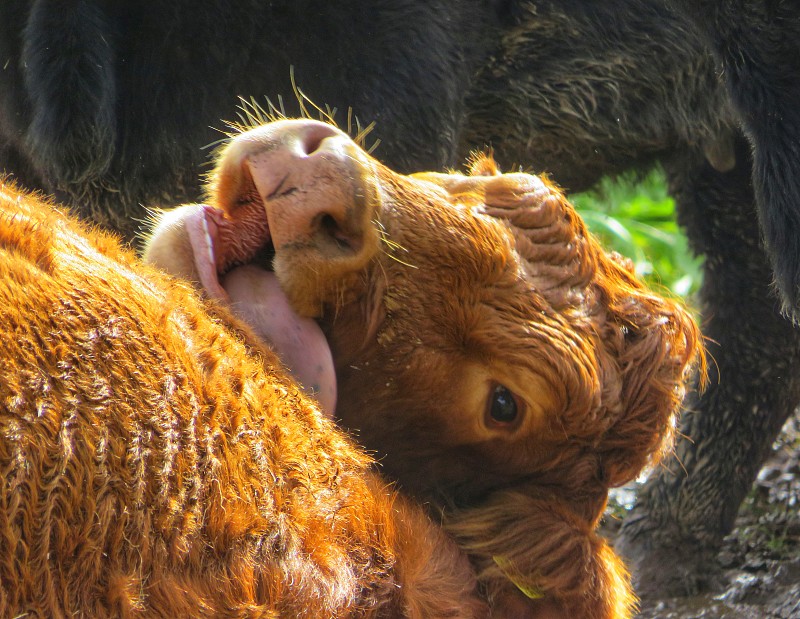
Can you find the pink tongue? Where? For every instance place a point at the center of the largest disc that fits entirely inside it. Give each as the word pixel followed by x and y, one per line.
pixel 257 299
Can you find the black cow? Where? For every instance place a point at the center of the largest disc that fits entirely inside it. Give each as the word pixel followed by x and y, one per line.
pixel 688 505
pixel 110 103
pixel 583 89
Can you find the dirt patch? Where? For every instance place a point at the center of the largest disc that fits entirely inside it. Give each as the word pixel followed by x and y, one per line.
pixel 760 559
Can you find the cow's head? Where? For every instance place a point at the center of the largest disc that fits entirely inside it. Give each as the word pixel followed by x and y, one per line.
pixel 501 364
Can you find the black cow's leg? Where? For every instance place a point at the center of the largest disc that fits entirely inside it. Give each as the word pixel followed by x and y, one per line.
pixel 690 501
pixel 758 46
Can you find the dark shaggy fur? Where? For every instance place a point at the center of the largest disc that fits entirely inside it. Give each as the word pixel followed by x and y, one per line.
pixel 575 87
pixel 758 47
pixel 109 104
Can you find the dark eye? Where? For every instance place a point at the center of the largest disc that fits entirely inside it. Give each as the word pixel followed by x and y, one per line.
pixel 503 405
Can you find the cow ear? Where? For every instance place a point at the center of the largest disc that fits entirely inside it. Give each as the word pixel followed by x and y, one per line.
pixel 649 349
pixel 482 164
pixel 481 168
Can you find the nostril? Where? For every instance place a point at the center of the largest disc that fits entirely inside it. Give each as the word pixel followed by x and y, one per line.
pixel 332 231
pixel 311 144
pixel 313 135
pixel 330 227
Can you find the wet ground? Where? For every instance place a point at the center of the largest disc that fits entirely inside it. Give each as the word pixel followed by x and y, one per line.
pixel 761 558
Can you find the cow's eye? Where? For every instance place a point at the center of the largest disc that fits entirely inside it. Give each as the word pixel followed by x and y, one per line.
pixel 503 405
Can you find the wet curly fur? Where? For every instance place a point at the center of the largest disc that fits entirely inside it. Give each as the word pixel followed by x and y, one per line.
pixel 153 465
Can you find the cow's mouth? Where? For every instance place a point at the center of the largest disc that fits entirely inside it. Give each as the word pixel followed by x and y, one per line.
pixel 289 234
pixel 233 259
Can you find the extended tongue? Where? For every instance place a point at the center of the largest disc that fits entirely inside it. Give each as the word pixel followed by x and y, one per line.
pixel 202 226
pixel 257 298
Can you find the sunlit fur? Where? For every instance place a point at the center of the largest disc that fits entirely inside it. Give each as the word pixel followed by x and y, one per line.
pixel 156 460
pixel 508 287
pixel 479 280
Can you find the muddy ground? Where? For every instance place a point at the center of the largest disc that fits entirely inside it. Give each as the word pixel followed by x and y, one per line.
pixel 760 559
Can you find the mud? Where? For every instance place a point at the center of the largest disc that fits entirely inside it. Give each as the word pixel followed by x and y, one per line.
pixel 759 563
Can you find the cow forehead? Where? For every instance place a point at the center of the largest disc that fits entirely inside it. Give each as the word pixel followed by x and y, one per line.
pixel 484 307
pixel 459 268
pixel 444 230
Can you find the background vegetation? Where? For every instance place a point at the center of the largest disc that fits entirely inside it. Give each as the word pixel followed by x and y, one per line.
pixel 635 216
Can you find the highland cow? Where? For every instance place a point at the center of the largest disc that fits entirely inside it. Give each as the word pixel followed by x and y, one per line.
pixel 109 105
pixel 510 370
pixel 157 461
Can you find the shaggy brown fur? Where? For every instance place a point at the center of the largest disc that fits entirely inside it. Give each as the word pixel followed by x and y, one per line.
pixel 152 465
pixel 508 370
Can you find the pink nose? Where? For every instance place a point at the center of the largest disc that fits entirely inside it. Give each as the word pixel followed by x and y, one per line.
pixel 321 195
pixel 311 177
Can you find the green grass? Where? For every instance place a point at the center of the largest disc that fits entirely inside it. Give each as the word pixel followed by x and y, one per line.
pixel 636 217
